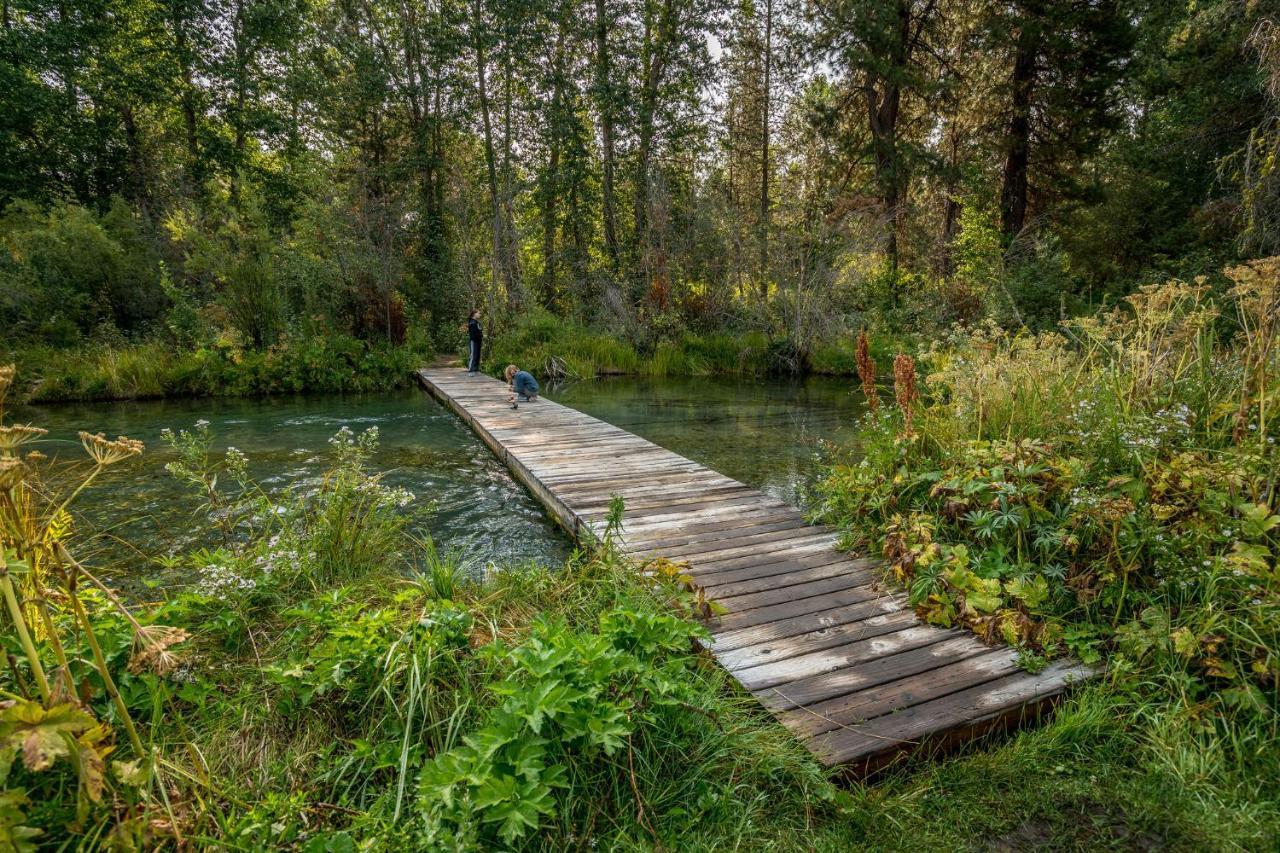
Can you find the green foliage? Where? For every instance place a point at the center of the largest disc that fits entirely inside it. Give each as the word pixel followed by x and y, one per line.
pixel 1110 497
pixel 569 697
pixel 65 272
pixel 551 347
pixel 333 363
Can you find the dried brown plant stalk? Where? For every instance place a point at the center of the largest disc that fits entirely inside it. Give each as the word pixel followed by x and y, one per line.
pixel 904 389
pixel 867 371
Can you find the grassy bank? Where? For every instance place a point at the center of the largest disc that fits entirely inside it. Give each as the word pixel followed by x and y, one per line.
pixel 326 683
pixel 335 363
pixel 550 346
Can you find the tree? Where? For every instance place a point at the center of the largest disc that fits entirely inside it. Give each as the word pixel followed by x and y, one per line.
pixel 1067 59
pixel 877 45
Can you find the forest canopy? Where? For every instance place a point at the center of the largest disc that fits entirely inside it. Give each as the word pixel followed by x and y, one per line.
pixel 257 169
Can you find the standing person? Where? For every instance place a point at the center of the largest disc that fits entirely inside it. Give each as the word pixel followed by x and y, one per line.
pixel 475 336
pixel 520 382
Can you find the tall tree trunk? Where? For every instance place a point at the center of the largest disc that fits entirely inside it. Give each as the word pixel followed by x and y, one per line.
pixel 1013 191
pixel 604 96
pixel 241 97
pixel 884 101
pixel 551 185
pixel 495 206
pixel 764 150
pixel 515 296
pixel 950 205
pixel 186 99
pixel 138 189
pixel 657 38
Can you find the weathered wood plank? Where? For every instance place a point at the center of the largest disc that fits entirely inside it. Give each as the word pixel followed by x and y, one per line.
pixel 918 679
pixel 911 725
pixel 842 662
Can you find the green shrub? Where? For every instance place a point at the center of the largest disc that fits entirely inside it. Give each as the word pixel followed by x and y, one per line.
pixel 569 697
pixel 1109 495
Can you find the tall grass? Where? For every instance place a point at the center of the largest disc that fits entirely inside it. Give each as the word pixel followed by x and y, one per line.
pixel 155 369
pixel 550 346
pixel 1110 492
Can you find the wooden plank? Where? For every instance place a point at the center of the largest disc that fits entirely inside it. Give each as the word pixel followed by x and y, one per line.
pixel 968 707
pixel 736 542
pixel 715 532
pixel 813 620
pixel 811 642
pixel 710 564
pixel 918 680
pixel 673 501
pixel 745 545
pixel 798 592
pixel 843 662
pixel 792 607
pixel 709 514
pixel 724 592
pixel 830 687
pixel 796 667
pixel 711 580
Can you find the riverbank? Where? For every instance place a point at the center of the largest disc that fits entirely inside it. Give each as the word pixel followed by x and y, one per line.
pixel 154 370
pixel 550 346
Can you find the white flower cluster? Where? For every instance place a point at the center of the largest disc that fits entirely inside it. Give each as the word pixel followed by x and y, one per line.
pixel 236 460
pixel 344 437
pixel 393 495
pixel 1081 498
pixel 217 579
pixel 279 555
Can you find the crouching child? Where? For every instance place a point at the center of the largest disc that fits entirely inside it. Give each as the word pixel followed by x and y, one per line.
pixel 521 384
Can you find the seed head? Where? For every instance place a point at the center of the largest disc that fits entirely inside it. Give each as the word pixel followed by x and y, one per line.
pixel 151 649
pixel 12 472
pixel 12 436
pixel 867 370
pixel 106 452
pixel 904 388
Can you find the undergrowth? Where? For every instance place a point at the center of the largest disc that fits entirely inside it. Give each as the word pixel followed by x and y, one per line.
pixel 123 371
pixel 558 348
pixel 1110 493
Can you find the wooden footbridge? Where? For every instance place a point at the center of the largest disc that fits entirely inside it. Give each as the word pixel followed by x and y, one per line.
pixel 839 659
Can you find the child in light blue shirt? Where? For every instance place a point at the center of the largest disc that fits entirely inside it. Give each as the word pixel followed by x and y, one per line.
pixel 520 382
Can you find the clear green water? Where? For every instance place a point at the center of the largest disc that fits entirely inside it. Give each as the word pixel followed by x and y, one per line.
pixel 762 433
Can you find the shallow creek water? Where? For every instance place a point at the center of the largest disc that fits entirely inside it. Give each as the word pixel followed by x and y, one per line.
pixel 764 433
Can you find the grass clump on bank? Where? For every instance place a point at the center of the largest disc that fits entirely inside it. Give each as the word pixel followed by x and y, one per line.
pixel 554 347
pixel 335 363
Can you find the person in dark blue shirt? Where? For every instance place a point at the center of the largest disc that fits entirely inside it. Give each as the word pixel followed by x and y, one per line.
pixel 521 383
pixel 475 336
